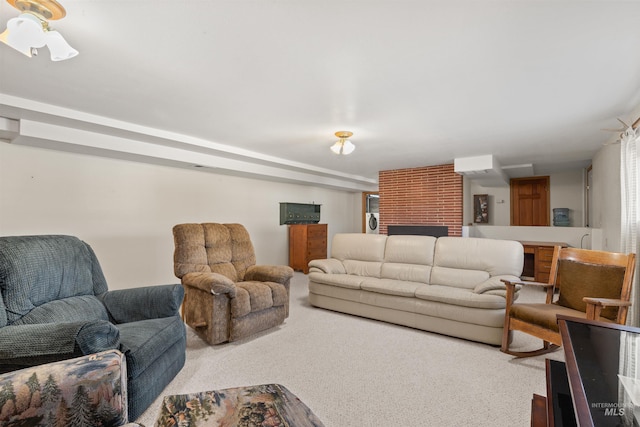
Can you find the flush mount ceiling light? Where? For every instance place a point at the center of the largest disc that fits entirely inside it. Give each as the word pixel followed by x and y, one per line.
pixel 30 30
pixel 343 146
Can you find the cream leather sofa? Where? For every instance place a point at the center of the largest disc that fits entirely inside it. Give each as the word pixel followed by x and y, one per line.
pixel 448 285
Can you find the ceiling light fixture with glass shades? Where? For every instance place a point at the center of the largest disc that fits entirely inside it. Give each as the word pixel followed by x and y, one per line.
pixel 30 30
pixel 343 146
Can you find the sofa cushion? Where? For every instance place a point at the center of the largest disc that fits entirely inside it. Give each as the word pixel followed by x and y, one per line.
pixel 329 266
pixel 190 254
pixel 495 286
pixel 410 249
pixel 146 341
pixel 457 277
pixel 73 309
pixel 218 246
pixel 375 299
pixel 362 268
pixel 278 293
pixel 464 316
pixel 408 272
pixel 496 257
pixel 458 296
pixel 391 287
pixel 358 247
pixel 210 247
pixel 339 280
pixel 256 296
pixel 244 255
pixel 37 269
pixel 344 297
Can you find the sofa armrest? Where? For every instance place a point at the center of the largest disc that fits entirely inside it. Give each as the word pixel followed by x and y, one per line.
pixel 50 339
pixel 213 283
pixel 269 273
pixel 151 302
pixel 328 266
pixel 497 283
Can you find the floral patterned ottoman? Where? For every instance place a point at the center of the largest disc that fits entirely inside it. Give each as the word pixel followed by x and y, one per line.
pixel 267 405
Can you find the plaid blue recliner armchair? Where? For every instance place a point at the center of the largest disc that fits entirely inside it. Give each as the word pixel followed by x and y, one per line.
pixel 55 305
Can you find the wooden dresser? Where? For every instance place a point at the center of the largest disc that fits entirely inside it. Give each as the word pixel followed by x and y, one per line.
pixel 537 260
pixel 306 242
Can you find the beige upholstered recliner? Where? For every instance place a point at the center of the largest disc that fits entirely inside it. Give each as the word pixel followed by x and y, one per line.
pixel 227 296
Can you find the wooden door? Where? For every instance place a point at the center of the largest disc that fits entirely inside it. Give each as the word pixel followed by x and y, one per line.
pixel 530 201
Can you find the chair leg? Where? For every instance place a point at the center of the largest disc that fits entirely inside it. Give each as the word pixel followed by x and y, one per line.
pixel 507 335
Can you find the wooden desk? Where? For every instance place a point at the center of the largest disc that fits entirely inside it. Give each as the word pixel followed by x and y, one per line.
pixel 537 259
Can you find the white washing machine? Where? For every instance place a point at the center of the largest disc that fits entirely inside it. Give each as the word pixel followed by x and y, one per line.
pixel 372 223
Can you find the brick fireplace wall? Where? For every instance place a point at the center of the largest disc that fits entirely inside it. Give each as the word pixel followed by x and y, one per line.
pixel 430 195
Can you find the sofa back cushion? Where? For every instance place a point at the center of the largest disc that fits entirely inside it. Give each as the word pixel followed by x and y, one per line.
pixel 466 261
pixel 35 270
pixel 361 254
pixel 408 258
pixel 190 253
pixel 243 254
pixel 410 249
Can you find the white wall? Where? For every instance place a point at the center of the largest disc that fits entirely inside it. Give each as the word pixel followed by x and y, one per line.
pixel 567 191
pixel 577 237
pixel 125 210
pixel 606 195
pixel 499 202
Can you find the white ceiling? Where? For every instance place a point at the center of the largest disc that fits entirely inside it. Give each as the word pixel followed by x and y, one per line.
pixel 268 82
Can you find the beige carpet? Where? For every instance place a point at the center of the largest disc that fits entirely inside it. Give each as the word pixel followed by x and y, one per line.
pixel 357 372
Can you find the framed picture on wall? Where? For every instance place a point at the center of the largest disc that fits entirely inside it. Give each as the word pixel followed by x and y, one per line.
pixel 481 208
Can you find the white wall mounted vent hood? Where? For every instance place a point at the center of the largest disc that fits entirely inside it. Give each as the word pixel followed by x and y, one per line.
pixel 484 169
